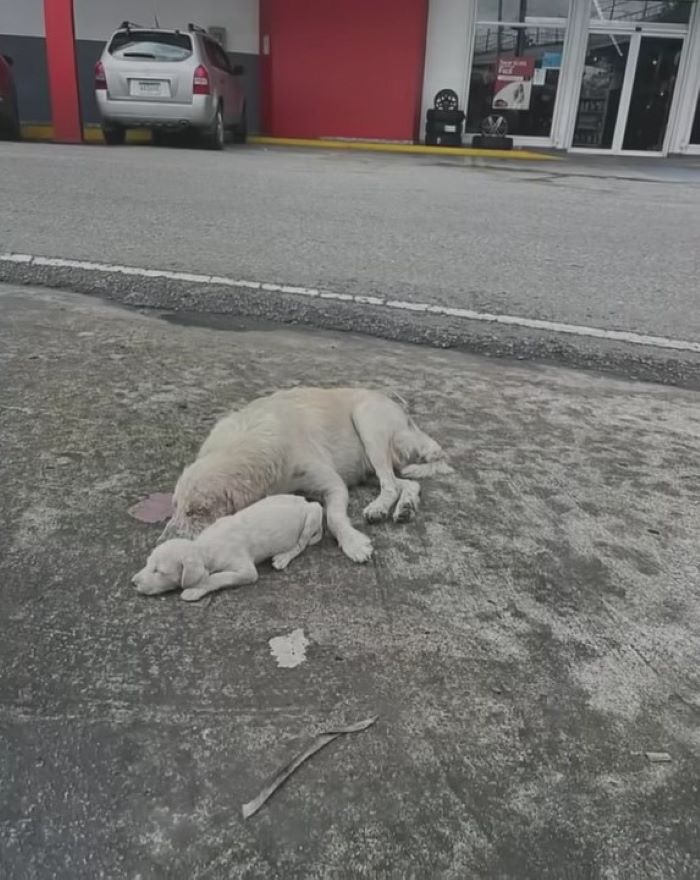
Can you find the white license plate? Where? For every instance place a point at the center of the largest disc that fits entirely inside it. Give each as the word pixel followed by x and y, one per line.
pixel 149 88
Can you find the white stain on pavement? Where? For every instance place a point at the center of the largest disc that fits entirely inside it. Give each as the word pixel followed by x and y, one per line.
pixel 289 651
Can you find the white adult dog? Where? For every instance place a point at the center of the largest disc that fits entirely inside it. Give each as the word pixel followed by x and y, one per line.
pixel 226 554
pixel 315 441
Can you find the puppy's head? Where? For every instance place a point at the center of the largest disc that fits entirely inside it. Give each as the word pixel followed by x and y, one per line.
pixel 173 564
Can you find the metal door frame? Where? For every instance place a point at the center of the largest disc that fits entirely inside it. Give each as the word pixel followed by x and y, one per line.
pixel 636 34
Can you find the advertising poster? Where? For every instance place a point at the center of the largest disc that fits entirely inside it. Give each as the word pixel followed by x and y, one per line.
pixel 513 83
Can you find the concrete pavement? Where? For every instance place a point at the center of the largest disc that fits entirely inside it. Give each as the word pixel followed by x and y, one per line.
pixel 611 246
pixel 525 641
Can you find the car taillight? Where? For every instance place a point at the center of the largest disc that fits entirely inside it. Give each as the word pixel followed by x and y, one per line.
pixel 200 83
pixel 100 78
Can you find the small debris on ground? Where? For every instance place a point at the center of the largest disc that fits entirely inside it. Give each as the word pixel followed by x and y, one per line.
pixel 154 509
pixel 658 757
pixel 289 651
pixel 283 774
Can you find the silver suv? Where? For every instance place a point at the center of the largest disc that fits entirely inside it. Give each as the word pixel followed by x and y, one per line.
pixel 167 81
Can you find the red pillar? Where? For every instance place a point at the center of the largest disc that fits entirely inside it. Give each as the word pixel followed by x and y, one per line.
pixel 63 71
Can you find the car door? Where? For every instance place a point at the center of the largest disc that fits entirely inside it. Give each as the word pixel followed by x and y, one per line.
pixel 234 88
pixel 221 74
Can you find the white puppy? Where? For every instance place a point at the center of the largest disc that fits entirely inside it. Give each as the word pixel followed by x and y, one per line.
pixel 317 441
pixel 225 554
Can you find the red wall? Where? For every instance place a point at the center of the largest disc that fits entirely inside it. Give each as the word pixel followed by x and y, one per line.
pixel 342 68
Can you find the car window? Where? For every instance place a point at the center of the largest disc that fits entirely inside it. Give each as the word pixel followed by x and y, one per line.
pixel 5 76
pixel 151 45
pixel 217 56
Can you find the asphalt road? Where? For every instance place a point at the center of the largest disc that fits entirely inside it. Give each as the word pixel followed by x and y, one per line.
pixel 611 246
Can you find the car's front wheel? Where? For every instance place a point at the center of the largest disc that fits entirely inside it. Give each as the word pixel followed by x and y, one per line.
pixel 114 135
pixel 11 128
pixel 215 138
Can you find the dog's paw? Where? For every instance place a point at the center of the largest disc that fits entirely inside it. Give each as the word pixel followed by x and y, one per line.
pixel 192 594
pixel 356 546
pixel 405 510
pixel 281 561
pixel 375 512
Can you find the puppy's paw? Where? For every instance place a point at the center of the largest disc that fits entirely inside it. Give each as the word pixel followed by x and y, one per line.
pixel 281 561
pixel 192 594
pixel 356 546
pixel 375 512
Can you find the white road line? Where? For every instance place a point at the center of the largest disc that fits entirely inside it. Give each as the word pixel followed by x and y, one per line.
pixel 368 301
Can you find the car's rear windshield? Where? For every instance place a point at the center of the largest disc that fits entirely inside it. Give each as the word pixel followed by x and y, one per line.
pixel 150 46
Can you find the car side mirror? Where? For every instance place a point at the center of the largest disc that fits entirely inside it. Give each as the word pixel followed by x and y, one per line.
pixel 238 70
pixel 10 60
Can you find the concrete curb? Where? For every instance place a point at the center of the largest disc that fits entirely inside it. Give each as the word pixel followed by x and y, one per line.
pixel 218 304
pixel 92 134
pixel 410 149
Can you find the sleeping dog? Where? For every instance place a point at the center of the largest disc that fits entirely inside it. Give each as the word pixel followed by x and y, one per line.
pixel 317 441
pixel 279 527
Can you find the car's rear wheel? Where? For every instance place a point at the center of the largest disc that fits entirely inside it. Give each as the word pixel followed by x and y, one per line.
pixel 215 138
pixel 240 130
pixel 114 135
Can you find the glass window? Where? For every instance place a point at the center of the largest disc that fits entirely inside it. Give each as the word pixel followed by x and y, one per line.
pixel 664 11
pixel 601 88
pixel 515 74
pixel 695 131
pixel 520 10
pixel 153 45
pixel 652 93
pixel 217 55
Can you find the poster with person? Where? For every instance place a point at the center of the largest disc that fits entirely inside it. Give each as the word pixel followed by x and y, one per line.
pixel 513 88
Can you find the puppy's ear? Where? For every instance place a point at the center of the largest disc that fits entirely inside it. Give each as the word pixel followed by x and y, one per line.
pixel 192 572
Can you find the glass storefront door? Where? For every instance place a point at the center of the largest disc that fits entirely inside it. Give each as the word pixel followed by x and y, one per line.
pixel 627 90
pixel 695 131
pixel 652 93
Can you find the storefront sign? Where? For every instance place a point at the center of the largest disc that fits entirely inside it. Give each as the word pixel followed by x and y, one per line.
pixel 513 83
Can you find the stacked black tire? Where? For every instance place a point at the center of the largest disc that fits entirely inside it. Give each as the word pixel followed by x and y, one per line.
pixel 445 122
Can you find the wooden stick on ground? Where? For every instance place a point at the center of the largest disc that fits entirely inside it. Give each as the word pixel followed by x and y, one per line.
pixel 283 774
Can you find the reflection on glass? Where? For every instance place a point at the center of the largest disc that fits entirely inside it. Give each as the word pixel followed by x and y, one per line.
pixel 601 87
pixel 666 11
pixel 515 74
pixel 695 131
pixel 652 93
pixel 518 10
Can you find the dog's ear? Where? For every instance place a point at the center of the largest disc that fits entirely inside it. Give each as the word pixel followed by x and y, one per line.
pixel 192 571
pixel 241 494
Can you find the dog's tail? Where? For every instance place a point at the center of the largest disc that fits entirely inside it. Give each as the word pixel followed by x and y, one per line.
pixel 396 397
pixel 427 458
pixel 427 469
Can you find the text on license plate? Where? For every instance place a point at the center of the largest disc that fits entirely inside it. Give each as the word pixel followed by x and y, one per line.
pixel 151 88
